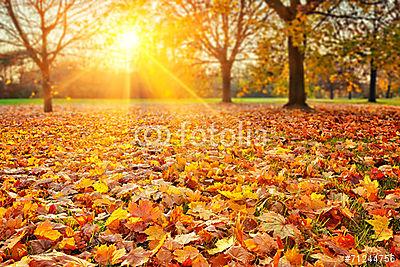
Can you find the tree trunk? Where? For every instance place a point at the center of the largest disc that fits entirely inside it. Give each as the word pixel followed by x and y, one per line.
pixel 226 69
pixel 372 82
pixel 349 95
pixel 297 95
pixel 46 86
pixel 331 90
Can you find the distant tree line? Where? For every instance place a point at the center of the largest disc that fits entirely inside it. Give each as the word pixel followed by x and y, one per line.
pixel 294 48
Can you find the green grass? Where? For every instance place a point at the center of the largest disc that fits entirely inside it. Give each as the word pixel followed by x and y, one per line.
pixel 278 101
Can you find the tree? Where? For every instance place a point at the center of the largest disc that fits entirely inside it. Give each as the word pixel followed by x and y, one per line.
pixel 364 31
pixel 296 39
pixel 382 16
pixel 45 28
pixel 219 31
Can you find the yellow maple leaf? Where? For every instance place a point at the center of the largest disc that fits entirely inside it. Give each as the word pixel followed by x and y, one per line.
pixel 45 230
pixel 381 227
pixel 117 255
pixel 100 187
pixel 367 188
pixel 118 214
pixel 135 219
pixel 2 212
pixel 84 183
pixel 239 193
pixel 222 245
pixel 315 196
pixel 32 161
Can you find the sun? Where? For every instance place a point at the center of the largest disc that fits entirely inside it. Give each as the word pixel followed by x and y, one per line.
pixel 129 40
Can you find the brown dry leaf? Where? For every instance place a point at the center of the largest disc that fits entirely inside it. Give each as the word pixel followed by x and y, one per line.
pixel 58 259
pixel 240 254
pixel 39 246
pixel 262 244
pixel 137 257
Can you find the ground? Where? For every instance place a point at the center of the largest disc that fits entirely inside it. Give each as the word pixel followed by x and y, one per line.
pixel 200 184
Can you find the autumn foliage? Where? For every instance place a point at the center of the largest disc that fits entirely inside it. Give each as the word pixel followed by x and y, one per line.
pixel 78 190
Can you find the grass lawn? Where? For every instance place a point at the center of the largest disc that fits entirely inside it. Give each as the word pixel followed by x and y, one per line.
pixel 280 101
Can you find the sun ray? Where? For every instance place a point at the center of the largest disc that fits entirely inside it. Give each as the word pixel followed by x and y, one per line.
pixel 179 81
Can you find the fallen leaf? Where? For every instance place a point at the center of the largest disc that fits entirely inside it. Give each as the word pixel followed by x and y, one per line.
pixel 118 214
pixel 45 230
pixel 381 227
pixel 222 245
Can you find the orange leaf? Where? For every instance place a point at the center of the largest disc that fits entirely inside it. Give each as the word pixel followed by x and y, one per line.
pixel 294 257
pixel 186 253
pixel 154 232
pixel 67 243
pixel 45 230
pixel 109 255
pixel 145 210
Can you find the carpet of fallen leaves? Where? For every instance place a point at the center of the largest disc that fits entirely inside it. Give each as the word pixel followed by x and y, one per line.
pixel 77 189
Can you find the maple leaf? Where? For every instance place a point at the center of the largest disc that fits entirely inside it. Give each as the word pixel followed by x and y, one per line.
pixel 294 257
pixel 240 254
pixel 84 183
pixel 381 227
pixel 100 187
pixel 368 189
pixel 69 231
pixel 11 242
pixel 67 243
pixel 276 223
pixel 186 238
pixel 155 232
pixel 146 211
pixel 45 230
pixel 118 214
pixel 201 210
pixel 262 244
pixel 345 241
pixel 200 261
pixel 137 257
pixel 240 193
pixel 57 259
pixel 188 252
pixel 18 251
pixel 108 254
pixel 222 245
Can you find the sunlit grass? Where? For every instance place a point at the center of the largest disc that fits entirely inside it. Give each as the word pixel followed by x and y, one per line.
pixel 278 101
